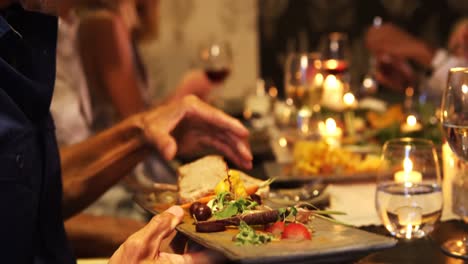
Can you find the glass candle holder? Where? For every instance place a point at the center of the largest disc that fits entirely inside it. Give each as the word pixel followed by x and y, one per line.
pixel 409 196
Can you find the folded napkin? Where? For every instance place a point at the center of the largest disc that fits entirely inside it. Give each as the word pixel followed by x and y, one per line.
pixel 356 200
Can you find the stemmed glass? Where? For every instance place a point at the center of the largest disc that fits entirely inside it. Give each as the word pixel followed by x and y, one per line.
pixel 454 120
pixel 216 60
pixel 409 196
pixel 303 82
pixel 336 59
pixel 303 79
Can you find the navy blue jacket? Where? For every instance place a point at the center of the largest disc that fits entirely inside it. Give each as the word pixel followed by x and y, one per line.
pixel 31 222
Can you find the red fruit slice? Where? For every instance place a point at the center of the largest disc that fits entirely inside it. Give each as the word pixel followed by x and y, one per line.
pixel 276 228
pixel 296 231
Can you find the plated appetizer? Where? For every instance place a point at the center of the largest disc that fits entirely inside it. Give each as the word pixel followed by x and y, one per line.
pixel 218 198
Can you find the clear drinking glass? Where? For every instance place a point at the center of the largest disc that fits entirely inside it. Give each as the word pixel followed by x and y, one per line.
pixel 303 79
pixel 454 120
pixel 409 196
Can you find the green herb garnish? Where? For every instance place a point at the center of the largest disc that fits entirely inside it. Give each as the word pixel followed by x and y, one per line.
pixel 235 207
pixel 247 235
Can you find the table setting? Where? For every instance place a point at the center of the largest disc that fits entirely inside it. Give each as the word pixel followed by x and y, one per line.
pixel 392 178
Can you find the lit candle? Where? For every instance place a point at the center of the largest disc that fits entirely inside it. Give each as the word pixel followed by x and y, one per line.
pixel 411 125
pixel 330 132
pixel 332 96
pixel 408 175
pixel 350 103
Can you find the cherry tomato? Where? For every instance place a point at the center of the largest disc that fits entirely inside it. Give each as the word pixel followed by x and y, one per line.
pixel 296 231
pixel 276 228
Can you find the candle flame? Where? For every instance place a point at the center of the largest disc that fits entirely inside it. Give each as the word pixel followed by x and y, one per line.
pixel 330 124
pixel 411 120
pixel 318 80
pixel 407 165
pixel 331 64
pixel 283 142
pixel 304 61
pixel 464 88
pixel 331 82
pixel 348 99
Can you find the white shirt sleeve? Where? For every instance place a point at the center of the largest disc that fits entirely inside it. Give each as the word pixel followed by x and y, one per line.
pixel 441 64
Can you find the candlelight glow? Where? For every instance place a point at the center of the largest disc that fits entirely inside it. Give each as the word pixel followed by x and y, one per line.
pixel 330 132
pixel 411 124
pixel 407 165
pixel 318 79
pixel 331 82
pixel 349 99
pixel 215 50
pixel 368 82
pixel 464 88
pixel 283 142
pixel 408 176
pixel 330 125
pixel 304 61
pixel 331 64
pixel 411 120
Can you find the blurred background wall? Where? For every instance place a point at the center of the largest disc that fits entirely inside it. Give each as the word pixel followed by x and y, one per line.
pixel 262 32
pixel 186 24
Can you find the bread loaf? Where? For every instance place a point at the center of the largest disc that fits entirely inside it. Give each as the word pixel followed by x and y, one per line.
pixel 198 178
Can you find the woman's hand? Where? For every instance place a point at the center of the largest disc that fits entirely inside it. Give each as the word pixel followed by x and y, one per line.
pixel 189 126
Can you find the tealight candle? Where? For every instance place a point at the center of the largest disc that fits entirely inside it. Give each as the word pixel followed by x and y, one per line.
pixel 408 175
pixel 411 125
pixel 332 96
pixel 350 103
pixel 330 132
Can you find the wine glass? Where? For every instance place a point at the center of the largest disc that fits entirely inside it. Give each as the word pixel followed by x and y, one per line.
pixel 216 60
pixel 335 55
pixel 335 52
pixel 303 88
pixel 409 196
pixel 369 85
pixel 454 120
pixel 303 79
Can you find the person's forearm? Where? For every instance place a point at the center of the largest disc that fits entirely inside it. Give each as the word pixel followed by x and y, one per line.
pixel 423 54
pixel 91 167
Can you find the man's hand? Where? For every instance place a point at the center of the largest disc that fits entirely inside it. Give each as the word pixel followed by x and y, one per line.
pixel 394 73
pixel 389 39
pixel 189 126
pixel 144 245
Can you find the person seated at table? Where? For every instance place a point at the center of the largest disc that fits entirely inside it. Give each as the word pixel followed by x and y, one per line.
pixel 394 47
pixel 73 113
pixel 40 188
pixel 121 83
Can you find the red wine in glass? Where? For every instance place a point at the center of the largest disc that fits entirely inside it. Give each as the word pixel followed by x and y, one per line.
pixel 335 67
pixel 217 75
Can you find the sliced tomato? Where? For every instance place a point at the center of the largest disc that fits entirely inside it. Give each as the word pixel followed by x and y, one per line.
pixel 276 228
pixel 296 231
